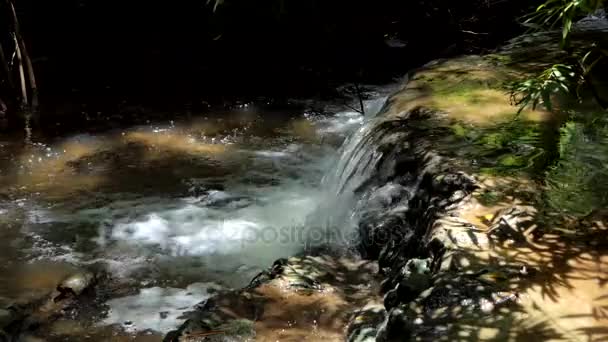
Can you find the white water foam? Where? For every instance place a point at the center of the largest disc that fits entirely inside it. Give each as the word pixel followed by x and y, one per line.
pixel 248 230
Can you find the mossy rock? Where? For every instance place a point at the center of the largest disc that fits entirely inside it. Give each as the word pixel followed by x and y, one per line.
pixel 238 327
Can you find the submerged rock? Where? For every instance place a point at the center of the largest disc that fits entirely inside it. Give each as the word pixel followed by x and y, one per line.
pixel 29 320
pixel 76 283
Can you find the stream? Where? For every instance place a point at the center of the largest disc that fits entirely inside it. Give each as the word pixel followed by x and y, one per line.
pixel 172 211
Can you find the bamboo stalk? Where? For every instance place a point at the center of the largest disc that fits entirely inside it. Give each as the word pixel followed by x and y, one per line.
pixel 25 57
pixel 31 77
pixel 24 99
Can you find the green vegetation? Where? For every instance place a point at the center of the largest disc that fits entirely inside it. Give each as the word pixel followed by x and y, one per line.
pixel 564 12
pixel 578 183
pixel 506 148
pixel 576 180
pixel 558 79
pixel 566 78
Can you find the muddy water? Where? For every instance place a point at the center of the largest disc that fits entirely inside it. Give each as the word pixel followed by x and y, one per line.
pixel 173 211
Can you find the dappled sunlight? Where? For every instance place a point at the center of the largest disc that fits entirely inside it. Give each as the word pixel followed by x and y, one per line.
pixel 570 289
pixel 158 144
pixel 467 89
pixel 344 286
pixel 177 195
pixel 48 170
pixel 86 163
pixel 560 281
pixel 308 298
pixel 497 192
pixel 482 107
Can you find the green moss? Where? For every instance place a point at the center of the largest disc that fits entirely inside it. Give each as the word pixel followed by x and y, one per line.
pixel 494 140
pixel 490 198
pixel 238 327
pixel 459 130
pixel 502 59
pixel 578 183
pixel 502 149
pixel 463 89
pixel 511 160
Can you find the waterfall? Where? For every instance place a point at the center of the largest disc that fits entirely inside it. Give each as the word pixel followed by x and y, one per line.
pixel 375 106
pixel 358 162
pixel 357 155
pixel 357 158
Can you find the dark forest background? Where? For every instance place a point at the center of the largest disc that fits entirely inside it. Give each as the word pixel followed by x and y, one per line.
pixel 102 53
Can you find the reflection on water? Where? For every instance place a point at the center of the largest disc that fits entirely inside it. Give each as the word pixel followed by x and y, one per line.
pixel 170 210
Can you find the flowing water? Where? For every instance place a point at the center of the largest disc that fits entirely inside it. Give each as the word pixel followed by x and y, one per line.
pixel 172 211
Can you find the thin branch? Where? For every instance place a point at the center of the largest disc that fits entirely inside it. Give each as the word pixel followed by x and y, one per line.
pixel 353 108
pixel 474 33
pixel 359 95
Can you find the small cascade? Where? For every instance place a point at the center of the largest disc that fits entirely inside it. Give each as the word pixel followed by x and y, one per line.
pixel 374 106
pixel 357 155
pixel 358 158
pixel 358 162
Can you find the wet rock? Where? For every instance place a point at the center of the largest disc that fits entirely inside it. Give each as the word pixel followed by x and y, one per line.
pixel 209 331
pixel 296 297
pixel 378 231
pixel 413 278
pixel 516 223
pixel 29 320
pixel 396 328
pixel 30 338
pixel 7 316
pixel 297 280
pixel 457 185
pixel 364 324
pixel 75 284
pixel 10 319
pixel 242 328
pixel 452 233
